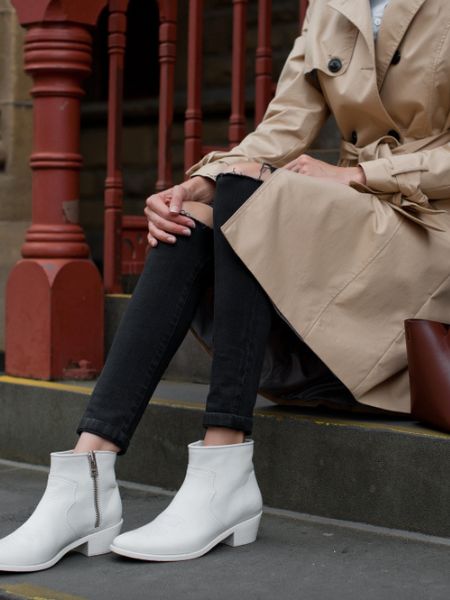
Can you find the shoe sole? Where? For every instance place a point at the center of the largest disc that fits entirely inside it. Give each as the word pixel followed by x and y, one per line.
pixel 238 535
pixel 93 544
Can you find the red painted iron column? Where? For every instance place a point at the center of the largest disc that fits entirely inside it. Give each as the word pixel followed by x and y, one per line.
pixel 54 297
pixel 168 10
pixel 112 244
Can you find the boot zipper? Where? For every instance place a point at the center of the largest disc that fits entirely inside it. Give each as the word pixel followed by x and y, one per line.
pixel 94 475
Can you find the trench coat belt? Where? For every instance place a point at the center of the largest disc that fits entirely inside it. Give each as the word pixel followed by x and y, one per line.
pixel 409 199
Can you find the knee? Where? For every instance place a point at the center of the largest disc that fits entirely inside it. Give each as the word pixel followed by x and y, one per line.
pixel 201 212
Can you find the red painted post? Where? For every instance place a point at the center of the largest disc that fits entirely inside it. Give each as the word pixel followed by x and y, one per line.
pixel 236 130
pixel 112 243
pixel 193 122
pixel 167 56
pixel 54 297
pixel 263 67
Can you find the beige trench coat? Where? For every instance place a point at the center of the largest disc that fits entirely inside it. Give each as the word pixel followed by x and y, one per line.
pixel 344 266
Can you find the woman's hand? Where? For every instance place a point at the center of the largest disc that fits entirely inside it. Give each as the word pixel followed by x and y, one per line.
pixel 163 209
pixel 307 165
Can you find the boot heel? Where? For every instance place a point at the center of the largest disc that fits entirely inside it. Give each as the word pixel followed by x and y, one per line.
pixel 100 542
pixel 244 533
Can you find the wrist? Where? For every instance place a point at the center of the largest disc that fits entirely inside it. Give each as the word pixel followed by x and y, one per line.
pixel 201 188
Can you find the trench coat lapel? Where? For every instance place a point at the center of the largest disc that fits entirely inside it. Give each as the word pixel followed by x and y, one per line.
pixel 396 20
pixel 360 15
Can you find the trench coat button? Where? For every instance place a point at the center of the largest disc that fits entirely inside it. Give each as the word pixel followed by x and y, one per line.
pixel 394 134
pixel 354 137
pixel 396 58
pixel 335 65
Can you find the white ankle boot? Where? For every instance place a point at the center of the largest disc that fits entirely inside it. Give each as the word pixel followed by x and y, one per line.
pixel 80 510
pixel 219 501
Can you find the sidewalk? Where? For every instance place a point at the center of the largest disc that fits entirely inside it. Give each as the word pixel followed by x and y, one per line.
pixel 294 558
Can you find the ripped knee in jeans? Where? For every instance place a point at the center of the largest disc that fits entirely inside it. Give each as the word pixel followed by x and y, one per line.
pixel 198 211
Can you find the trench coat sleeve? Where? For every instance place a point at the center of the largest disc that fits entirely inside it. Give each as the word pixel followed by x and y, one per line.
pixel 290 124
pixel 419 177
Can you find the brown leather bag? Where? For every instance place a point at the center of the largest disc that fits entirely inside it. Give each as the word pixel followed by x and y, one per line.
pixel 428 349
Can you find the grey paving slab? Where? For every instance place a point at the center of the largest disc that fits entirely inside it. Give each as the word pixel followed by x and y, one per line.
pixel 292 559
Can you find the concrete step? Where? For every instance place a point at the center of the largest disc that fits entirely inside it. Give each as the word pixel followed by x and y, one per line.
pixel 294 557
pixel 366 469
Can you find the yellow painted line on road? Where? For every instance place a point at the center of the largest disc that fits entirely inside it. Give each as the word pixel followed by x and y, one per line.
pixel 68 387
pixel 33 592
pixel 118 295
pixel 51 385
pixel 336 422
pixel 177 403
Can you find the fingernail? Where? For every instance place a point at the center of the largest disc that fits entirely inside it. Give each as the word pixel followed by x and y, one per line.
pixel 173 209
pixel 192 224
pixel 187 231
pixel 172 239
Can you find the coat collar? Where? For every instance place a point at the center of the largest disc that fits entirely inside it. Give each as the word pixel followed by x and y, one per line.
pixel 360 15
pixel 396 20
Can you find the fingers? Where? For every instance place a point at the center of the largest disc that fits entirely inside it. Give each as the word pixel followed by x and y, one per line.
pixel 301 164
pixel 170 226
pixel 163 226
pixel 156 235
pixel 298 163
pixel 178 197
pixel 158 203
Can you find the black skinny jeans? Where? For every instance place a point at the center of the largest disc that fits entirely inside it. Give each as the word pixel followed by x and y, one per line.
pixel 160 313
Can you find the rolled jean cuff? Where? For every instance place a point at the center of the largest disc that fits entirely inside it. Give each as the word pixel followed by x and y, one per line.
pixel 216 419
pixel 106 431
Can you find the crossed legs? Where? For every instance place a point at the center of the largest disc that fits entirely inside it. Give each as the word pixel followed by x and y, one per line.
pixel 159 316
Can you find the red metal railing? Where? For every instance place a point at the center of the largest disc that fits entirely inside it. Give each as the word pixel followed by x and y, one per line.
pixel 125 239
pixel 125 248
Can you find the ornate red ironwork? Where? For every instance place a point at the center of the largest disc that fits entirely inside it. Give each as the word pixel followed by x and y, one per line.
pixel 117 25
pixel 193 121
pixel 167 55
pixel 236 131
pixel 135 228
pixel 54 297
pixel 125 239
pixel 263 67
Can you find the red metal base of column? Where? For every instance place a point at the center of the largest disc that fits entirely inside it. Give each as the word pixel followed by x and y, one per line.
pixel 55 319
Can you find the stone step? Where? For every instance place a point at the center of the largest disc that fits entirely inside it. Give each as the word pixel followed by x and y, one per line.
pixel 368 469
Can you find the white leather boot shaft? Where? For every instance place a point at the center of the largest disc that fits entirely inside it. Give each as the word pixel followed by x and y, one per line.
pixel 219 501
pixel 80 509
